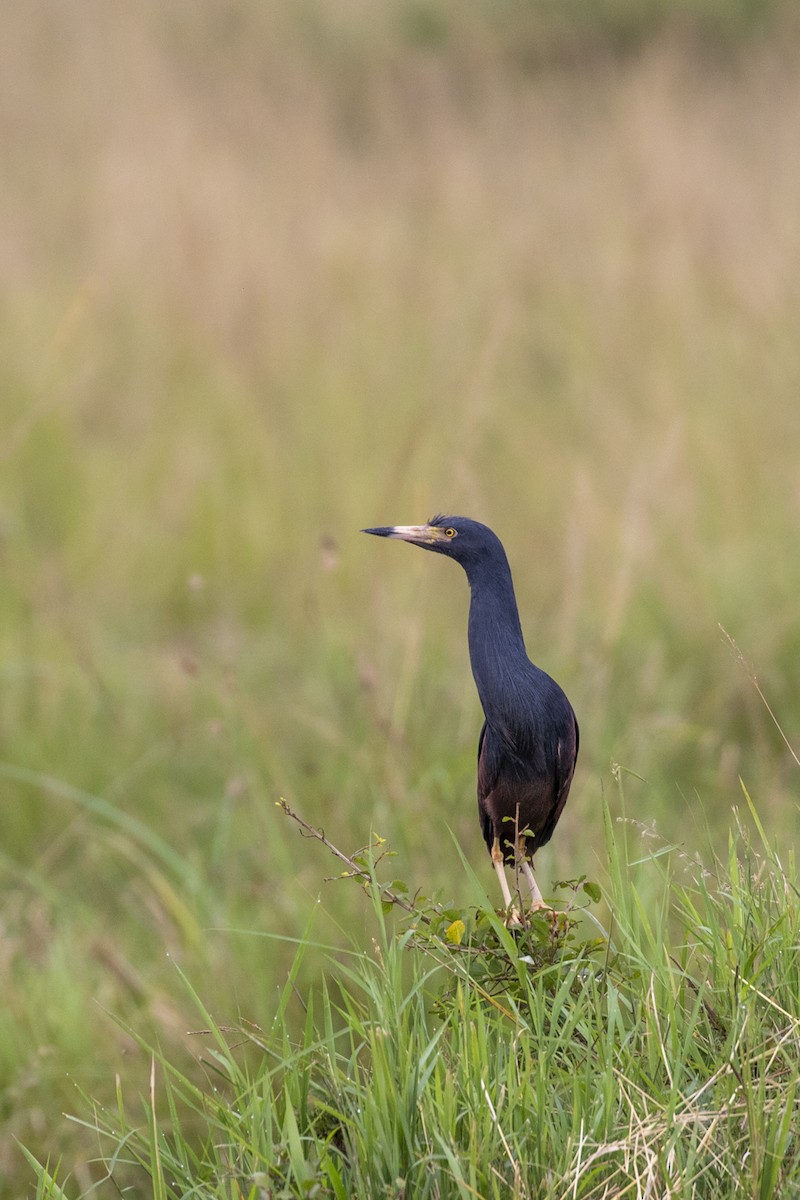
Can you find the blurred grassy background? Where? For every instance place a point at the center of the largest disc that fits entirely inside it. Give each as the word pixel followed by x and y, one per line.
pixel 275 272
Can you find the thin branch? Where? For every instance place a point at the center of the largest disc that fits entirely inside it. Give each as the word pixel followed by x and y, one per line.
pixel 353 867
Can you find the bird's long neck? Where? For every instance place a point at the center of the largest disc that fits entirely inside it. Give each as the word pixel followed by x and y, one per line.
pixel 496 646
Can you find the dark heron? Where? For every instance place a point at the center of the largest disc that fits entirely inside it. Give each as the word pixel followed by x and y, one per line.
pixel 529 741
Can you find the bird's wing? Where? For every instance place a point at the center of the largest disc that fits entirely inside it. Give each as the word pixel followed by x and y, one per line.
pixel 488 771
pixel 566 756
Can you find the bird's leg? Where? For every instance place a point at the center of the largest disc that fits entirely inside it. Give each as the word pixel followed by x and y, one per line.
pixel 513 917
pixel 536 896
pixel 523 861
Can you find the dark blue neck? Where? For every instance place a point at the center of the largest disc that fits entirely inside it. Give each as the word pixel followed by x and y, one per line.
pixel 496 646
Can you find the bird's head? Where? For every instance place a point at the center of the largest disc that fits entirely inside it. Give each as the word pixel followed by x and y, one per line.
pixel 468 542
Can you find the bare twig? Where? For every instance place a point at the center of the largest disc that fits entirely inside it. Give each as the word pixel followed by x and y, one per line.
pixel 353 868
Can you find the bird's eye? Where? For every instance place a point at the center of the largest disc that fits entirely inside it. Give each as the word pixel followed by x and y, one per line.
pixel 450 532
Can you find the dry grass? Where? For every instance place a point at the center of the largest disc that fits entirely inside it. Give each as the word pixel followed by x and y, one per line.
pixel 393 281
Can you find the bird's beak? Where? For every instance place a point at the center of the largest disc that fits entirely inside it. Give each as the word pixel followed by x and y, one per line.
pixel 423 535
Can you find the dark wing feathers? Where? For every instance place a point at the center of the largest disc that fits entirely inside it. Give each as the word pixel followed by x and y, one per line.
pixel 566 756
pixel 538 781
pixel 487 777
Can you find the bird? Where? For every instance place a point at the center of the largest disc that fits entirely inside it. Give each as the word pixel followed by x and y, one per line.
pixel 528 745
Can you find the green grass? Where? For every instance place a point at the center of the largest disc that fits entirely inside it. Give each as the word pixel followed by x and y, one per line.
pixel 272 274
pixel 658 1060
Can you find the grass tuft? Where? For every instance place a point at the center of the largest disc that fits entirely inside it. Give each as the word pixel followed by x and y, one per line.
pixel 547 1062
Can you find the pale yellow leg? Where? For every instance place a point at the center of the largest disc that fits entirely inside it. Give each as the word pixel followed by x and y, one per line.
pixel 536 896
pixel 523 862
pixel 513 917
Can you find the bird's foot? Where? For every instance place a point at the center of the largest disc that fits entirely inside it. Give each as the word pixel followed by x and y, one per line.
pixel 556 919
pixel 513 918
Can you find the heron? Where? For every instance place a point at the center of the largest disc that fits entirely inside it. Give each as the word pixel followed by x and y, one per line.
pixel 528 745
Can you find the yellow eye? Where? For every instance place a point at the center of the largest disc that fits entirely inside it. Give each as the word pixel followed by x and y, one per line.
pixel 450 532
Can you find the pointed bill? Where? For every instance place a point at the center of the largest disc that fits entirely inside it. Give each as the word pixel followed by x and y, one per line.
pixel 426 535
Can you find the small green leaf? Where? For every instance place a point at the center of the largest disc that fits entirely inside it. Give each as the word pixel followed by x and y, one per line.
pixel 592 891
